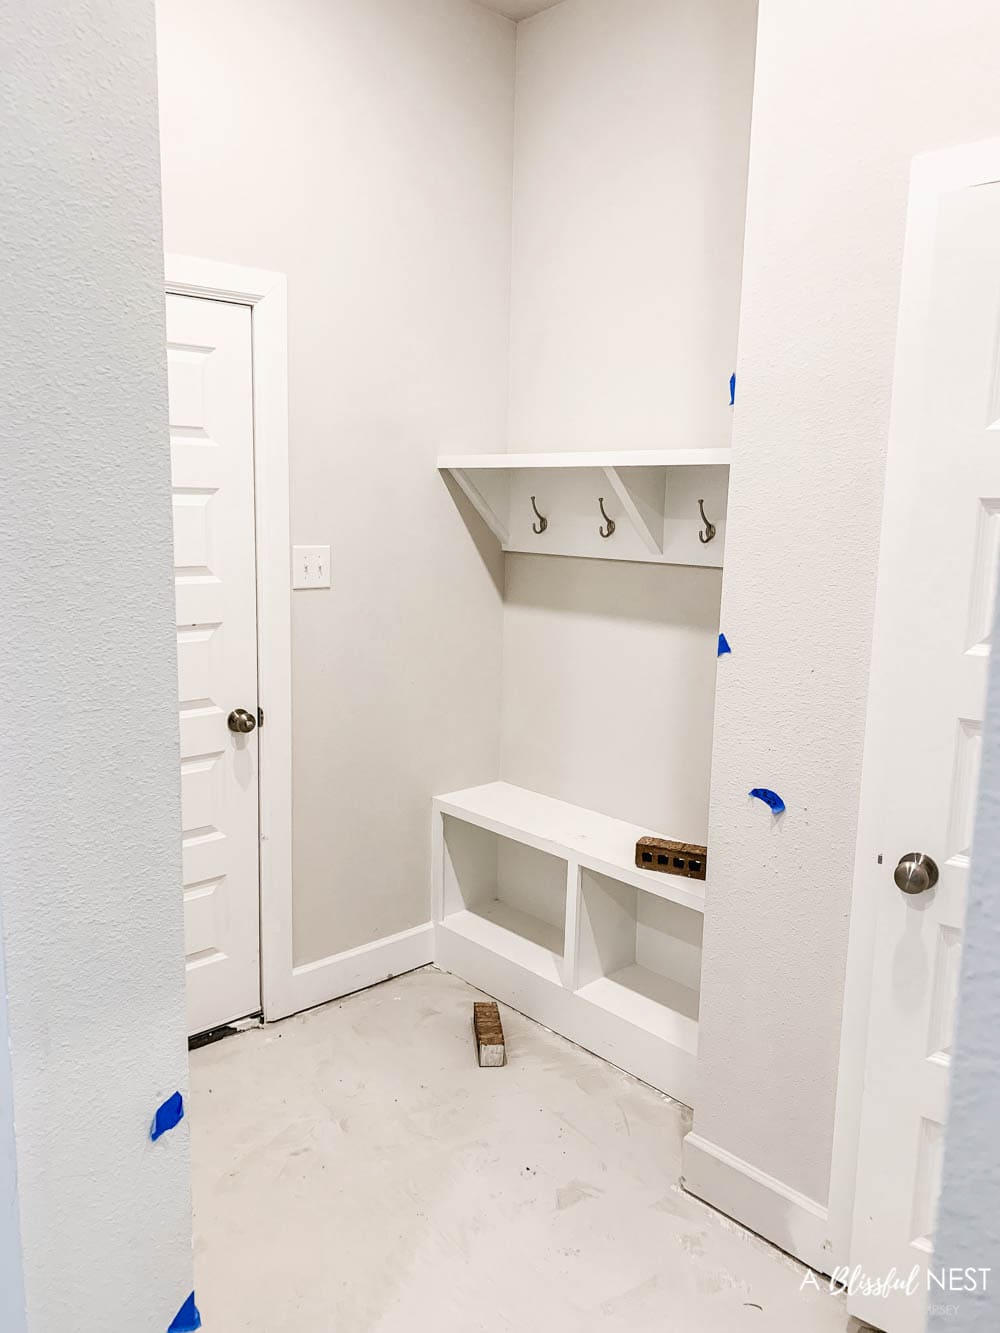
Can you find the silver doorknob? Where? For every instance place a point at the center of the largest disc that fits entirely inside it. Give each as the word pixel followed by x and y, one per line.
pixel 240 720
pixel 916 873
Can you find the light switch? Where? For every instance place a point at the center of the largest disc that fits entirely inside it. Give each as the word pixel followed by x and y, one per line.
pixel 310 566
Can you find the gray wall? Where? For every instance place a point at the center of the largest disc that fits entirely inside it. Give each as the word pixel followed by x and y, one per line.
pixel 845 96
pixel 90 856
pixel 968 1225
pixel 629 194
pixel 609 686
pixel 630 162
pixel 363 148
pixel 11 1271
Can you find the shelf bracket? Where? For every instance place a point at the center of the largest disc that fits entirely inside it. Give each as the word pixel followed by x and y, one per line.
pixel 481 505
pixel 642 493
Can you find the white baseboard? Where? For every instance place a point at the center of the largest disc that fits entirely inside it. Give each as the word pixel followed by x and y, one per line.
pixel 759 1202
pixel 341 973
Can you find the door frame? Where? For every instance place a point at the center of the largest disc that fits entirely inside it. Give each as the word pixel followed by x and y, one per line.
pixel 933 176
pixel 266 295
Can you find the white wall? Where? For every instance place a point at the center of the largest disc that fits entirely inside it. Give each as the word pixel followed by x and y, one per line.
pixel 11 1259
pixel 364 148
pixel 845 96
pixel 629 189
pixel 632 126
pixel 968 1226
pixel 609 686
pixel 90 855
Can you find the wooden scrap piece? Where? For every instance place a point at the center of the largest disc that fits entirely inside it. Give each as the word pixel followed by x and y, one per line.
pixel 489 1034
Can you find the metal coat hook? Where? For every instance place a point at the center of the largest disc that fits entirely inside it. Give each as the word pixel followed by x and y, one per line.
pixel 609 521
pixel 709 532
pixel 542 523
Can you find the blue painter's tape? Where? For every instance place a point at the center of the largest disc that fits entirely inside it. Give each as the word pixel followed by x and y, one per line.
pixel 724 646
pixel 168 1116
pixel 770 799
pixel 732 388
pixel 187 1318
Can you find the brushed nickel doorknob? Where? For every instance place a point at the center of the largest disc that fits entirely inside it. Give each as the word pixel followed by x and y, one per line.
pixel 240 720
pixel 916 873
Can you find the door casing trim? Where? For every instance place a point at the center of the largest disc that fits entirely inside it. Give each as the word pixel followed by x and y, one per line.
pixel 266 295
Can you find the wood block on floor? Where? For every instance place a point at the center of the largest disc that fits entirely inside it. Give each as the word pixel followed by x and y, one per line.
pixel 489 1034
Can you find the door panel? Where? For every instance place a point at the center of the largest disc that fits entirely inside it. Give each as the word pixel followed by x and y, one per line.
pixel 933 625
pixel 210 382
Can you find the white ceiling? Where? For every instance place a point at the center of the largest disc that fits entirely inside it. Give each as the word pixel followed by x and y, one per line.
pixel 518 9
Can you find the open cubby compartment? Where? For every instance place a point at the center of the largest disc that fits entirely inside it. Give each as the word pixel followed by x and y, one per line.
pixel 506 897
pixel 639 957
pixel 540 904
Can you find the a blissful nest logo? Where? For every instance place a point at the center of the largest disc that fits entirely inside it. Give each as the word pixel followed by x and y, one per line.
pixel 937 1282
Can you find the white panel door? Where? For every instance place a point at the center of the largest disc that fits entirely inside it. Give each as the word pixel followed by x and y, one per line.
pixel 937 581
pixel 210 377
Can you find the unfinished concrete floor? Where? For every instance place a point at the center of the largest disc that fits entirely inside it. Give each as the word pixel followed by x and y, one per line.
pixel 356 1172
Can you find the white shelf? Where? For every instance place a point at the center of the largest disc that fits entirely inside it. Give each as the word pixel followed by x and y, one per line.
pixel 660 1006
pixel 652 495
pixel 618 975
pixel 522 939
pixel 594 841
pixel 587 459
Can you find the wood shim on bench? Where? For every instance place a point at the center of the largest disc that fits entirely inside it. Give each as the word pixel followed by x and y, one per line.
pixel 489 1034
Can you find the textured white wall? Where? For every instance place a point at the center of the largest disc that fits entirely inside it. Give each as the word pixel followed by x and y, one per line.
pixel 968 1225
pixel 632 128
pixel 11 1270
pixel 826 210
pixel 90 855
pixel 363 147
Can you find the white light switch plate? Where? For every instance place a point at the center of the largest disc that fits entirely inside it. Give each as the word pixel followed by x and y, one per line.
pixel 310 566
